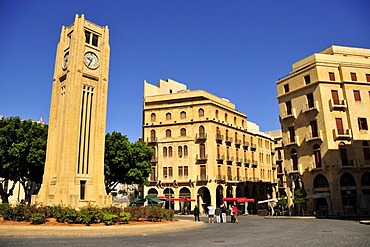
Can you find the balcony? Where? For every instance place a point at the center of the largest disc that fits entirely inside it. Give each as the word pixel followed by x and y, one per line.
pixel 253 147
pixel 339 105
pixel 247 162
pixel 314 136
pixel 219 138
pixel 201 158
pixel 228 140
pixel 290 141
pixel 202 178
pixel 221 178
pixel 229 159
pixel 297 170
pixel 154 160
pixel 220 158
pixel 311 108
pixel 288 114
pixel 239 161
pixel 273 151
pixel 348 163
pixel 342 134
pixel 238 143
pixel 201 137
pixel 279 160
pixel 245 145
pixel 254 164
pixel 152 141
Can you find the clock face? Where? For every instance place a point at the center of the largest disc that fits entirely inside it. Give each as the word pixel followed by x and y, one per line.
pixel 65 60
pixel 91 60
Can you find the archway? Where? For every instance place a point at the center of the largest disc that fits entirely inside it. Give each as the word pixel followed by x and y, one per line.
pixel 185 207
pixel 204 198
pixel 169 194
pixel 238 192
pixel 348 191
pixel 219 195
pixel 365 181
pixel 321 204
pixel 152 192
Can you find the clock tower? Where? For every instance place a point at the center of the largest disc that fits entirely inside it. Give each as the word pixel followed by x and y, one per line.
pixel 74 167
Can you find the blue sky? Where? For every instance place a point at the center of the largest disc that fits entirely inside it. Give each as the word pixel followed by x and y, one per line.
pixel 234 49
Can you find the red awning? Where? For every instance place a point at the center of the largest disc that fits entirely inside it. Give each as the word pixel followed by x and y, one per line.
pixel 237 199
pixel 181 199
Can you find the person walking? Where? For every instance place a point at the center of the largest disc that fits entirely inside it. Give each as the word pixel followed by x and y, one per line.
pixel 196 213
pixel 223 214
pixel 211 213
pixel 218 215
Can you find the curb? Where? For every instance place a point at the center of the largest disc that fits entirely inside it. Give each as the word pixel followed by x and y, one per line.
pixel 291 217
pixel 365 222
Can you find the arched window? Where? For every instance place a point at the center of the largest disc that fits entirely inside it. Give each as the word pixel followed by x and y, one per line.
pixel 165 152
pixel 320 181
pixel 225 117
pixel 218 150
pixel 153 117
pixel 202 151
pixel 294 157
pixel 201 112
pixel 243 124
pixel 170 152
pixel 366 151
pixel 168 133
pixel 168 116
pixel 152 192
pixel 317 155
pixel 182 132
pixel 236 136
pixel 182 115
pixel 365 179
pixel 218 132
pixel 235 121
pixel 186 153
pixel 227 134
pixel 216 114
pixel 201 131
pixel 347 180
pixel 179 150
pixel 152 135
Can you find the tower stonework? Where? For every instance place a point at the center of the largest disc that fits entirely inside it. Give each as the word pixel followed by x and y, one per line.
pixel 74 168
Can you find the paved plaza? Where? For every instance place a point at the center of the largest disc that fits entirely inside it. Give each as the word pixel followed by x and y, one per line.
pixel 250 231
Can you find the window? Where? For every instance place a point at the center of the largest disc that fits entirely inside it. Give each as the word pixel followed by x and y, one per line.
pixel 368 77
pixel 288 106
pixel 202 131
pixel 291 134
pixel 153 117
pixel 307 79
pixel 339 124
pixel 310 101
pixel 201 112
pixel 314 130
pixel 91 38
pixel 82 189
pixel 357 95
pixel 167 172
pixel 235 121
pixel 170 152
pixel 320 181
pixel 225 117
pixel 183 115
pixel 243 124
pixel 294 156
pixel 152 135
pixel 168 116
pixel 362 124
pixel 343 154
pixel 179 151
pixel 183 171
pixel 331 76
pixel 186 153
pixel 165 152
pixel 366 151
pixel 216 114
pixel 286 88
pixel 168 133
pixel 202 151
pixel 353 76
pixel 335 97
pixel 317 155
pixel 182 132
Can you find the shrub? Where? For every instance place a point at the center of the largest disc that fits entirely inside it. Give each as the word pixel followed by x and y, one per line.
pixel 5 211
pixel 37 218
pixel 72 215
pixel 155 214
pixel 89 215
pixel 124 217
pixel 169 214
pixel 109 219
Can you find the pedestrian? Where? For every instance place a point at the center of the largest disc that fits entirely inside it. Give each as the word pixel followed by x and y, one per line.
pixel 235 212
pixel 211 213
pixel 218 215
pixel 223 214
pixel 196 213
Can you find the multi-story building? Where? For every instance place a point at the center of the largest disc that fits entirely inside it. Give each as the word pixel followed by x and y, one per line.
pixel 324 108
pixel 204 149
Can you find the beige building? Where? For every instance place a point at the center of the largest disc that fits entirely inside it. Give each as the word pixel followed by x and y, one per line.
pixel 204 149
pixel 324 112
pixel 74 168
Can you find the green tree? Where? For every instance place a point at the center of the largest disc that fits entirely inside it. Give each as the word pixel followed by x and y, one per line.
pixel 22 154
pixel 300 199
pixel 125 162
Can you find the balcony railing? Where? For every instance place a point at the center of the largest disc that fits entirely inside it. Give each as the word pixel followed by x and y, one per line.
pixel 238 143
pixel 229 158
pixel 348 163
pixel 239 161
pixel 253 147
pixel 245 145
pixel 202 178
pixel 308 108
pixel 254 164
pixel 314 136
pixel 337 105
pixel 219 138
pixel 220 157
pixel 342 134
pixel 152 140
pixel 154 160
pixel 221 177
pixel 288 114
pixel 289 141
pixel 201 158
pixel 228 140
pixel 201 137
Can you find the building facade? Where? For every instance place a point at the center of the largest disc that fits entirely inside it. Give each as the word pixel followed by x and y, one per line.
pixel 324 107
pixel 204 149
pixel 74 167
